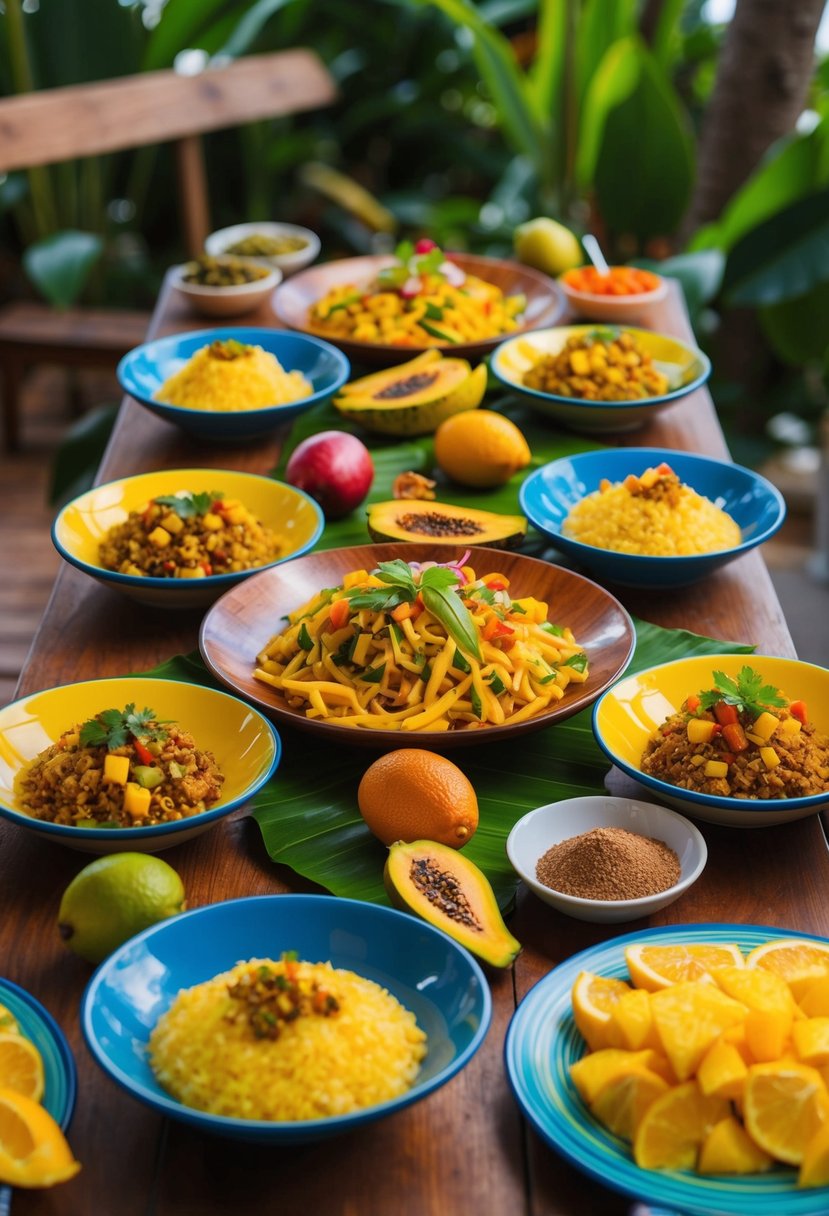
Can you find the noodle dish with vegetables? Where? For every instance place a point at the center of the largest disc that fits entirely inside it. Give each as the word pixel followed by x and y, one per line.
pixel 422 646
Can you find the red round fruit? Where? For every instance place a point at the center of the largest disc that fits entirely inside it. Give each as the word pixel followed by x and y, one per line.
pixel 333 467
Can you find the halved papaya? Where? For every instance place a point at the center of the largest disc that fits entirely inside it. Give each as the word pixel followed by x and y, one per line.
pixel 412 519
pixel 415 397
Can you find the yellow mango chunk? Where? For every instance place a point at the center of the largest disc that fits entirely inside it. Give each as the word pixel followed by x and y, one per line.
pixel 136 800
pixel 769 757
pixel 728 1149
pixel 689 1018
pixel 765 726
pixel 811 1040
pixel 716 768
pixel 116 769
pixel 675 1126
pixel 700 730
pixel 723 1071
pixel 159 538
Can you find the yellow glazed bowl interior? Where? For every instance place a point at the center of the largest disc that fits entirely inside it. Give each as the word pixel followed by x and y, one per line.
pixel 82 524
pixel 632 710
pixel 246 747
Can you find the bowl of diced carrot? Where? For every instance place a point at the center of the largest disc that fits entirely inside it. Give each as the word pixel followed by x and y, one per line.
pixel 624 293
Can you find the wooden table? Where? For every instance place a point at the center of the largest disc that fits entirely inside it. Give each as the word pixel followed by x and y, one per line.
pixel 465 1150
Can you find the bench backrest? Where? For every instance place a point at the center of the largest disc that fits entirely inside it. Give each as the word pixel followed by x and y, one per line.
pixel 55 125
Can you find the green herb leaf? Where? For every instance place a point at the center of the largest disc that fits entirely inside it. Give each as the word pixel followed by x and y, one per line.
pixel 304 639
pixel 484 595
pixel 747 692
pixel 426 673
pixel 372 675
pixel 497 684
pixel 477 707
pixel 114 727
pixel 555 630
pixel 437 587
pixel 433 312
pixel 344 303
pixel 434 332
pixel 187 504
pixel 518 609
pixel 460 662
pixel 577 661
pixel 404 250
pixel 397 573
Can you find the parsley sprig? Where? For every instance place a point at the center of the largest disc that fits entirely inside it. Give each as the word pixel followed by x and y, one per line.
pixel 115 727
pixel 747 692
pixel 187 504
pixel 410 263
pixel 437 586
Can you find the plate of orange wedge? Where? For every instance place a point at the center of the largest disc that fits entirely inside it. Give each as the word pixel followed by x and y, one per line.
pixel 38 1083
pixel 686 1066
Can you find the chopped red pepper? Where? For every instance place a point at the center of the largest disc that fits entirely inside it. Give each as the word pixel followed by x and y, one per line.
pixel 495 583
pixel 496 628
pixel 726 714
pixel 734 737
pixel 798 710
pixel 339 613
pixel 169 566
pixel 728 757
pixel 206 567
pixel 692 704
pixel 145 756
pixel 219 555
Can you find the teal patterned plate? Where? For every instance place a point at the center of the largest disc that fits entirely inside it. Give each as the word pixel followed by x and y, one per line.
pixel 542 1043
pixel 40 1027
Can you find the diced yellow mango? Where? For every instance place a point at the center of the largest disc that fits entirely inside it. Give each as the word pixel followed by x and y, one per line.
pixel 172 523
pixel 136 800
pixel 236 515
pixel 765 726
pixel 212 522
pixel 790 726
pixel 700 730
pixel 354 578
pixel 697 761
pixel 361 650
pixel 769 757
pixel 159 538
pixel 116 769
pixel 757 740
pixel 191 572
pixel 716 768
pixel 580 363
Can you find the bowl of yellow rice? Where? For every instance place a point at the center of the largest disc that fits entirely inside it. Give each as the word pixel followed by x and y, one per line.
pixel 235 383
pixel 287 1018
pixel 651 517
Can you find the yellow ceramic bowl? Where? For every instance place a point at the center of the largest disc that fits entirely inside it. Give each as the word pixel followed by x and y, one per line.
pixel 632 710
pixel 245 745
pixel 82 524
pixel 686 368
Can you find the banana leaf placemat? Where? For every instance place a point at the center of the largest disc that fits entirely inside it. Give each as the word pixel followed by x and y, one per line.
pixel 308 812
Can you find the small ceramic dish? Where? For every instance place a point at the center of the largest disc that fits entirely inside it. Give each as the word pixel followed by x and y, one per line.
pixel 685 366
pixel 549 494
pixel 618 310
pixel 428 972
pixel 223 239
pixel 83 523
pixel 626 716
pixel 143 371
pixel 246 747
pixel 224 301
pixel 238 626
pixel 549 825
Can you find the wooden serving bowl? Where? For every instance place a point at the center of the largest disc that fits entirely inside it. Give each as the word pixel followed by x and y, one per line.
pixel 239 625
pixel 546 304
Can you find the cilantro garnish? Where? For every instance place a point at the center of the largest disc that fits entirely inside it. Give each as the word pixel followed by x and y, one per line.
pixel 409 264
pixel 187 504
pixel 115 727
pixel 577 661
pixel 747 692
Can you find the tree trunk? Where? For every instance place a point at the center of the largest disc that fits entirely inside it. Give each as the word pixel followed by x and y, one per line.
pixel 761 87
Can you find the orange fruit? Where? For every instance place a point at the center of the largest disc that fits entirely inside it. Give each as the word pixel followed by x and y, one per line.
pixel 800 963
pixel 785 1105
pixel 728 1149
pixel 413 794
pixel 814 1169
pixel 689 1018
pixel 33 1149
pixel 593 998
pixel 21 1067
pixel 674 1127
pixel 655 967
pixel 480 448
pixel 621 1104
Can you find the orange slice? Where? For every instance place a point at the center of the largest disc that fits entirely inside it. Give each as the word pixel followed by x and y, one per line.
pixel 814 1169
pixel 785 1105
pixel 592 1072
pixel 21 1067
pixel 689 1018
pixel 811 1041
pixel 728 1149
pixel 622 1103
pixel 815 1000
pixel 593 998
pixel 723 1071
pixel 631 1021
pixel 656 967
pixel 674 1127
pixel 33 1149
pixel 799 963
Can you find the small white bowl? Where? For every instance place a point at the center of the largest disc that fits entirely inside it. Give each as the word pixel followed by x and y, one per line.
pixel 547 825
pixel 617 310
pixel 219 242
pixel 225 301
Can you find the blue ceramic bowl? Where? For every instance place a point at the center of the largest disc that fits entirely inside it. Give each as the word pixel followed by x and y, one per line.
pixel 429 973
pixel 38 1025
pixel 549 494
pixel 143 370
pixel 543 1042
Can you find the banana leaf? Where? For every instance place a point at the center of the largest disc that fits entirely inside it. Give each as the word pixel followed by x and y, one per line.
pixel 308 812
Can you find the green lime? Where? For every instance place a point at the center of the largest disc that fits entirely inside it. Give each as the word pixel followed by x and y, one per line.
pixel 115 897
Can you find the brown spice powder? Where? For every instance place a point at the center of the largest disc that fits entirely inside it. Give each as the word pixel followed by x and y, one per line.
pixel 609 863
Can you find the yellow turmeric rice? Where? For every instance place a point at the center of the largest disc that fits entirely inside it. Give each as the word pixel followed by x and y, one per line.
pixel 654 515
pixel 286 1041
pixel 231 376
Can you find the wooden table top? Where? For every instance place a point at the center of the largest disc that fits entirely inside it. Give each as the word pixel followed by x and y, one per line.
pixel 465 1149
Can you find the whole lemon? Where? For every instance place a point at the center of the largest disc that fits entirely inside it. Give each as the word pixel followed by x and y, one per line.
pixel 115 897
pixel 480 448
pixel 414 794
pixel 547 245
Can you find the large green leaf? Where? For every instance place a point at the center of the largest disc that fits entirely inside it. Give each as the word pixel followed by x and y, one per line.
pixel 59 265
pixel 613 82
pixel 250 27
pixel 547 72
pixel 645 166
pixel 782 258
pixel 700 274
pixel 182 25
pixel 308 812
pixel 799 329
pixel 600 25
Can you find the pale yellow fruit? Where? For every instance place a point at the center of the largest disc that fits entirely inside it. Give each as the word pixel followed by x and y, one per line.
pixel 33 1149
pixel 674 1127
pixel 621 1104
pixel 593 999
pixel 785 1106
pixel 728 1149
pixel 547 245
pixel 655 967
pixel 480 448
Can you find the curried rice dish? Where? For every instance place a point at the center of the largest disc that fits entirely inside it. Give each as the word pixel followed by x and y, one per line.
pixel 231 376
pixel 740 739
pixel 654 515
pixel 121 769
pixel 601 365
pixel 189 535
pixel 286 1041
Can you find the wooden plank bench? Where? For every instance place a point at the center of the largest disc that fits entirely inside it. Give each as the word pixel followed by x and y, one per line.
pixel 109 116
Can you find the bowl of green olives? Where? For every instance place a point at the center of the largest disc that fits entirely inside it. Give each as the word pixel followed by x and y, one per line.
pixel 224 286
pixel 288 247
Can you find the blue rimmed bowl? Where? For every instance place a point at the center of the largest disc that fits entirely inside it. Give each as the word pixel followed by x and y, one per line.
pixel 686 367
pixel 83 523
pixel 246 746
pixel 630 712
pixel 143 371
pixel 541 1045
pixel 59 1073
pixel 427 971
pixel 550 493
